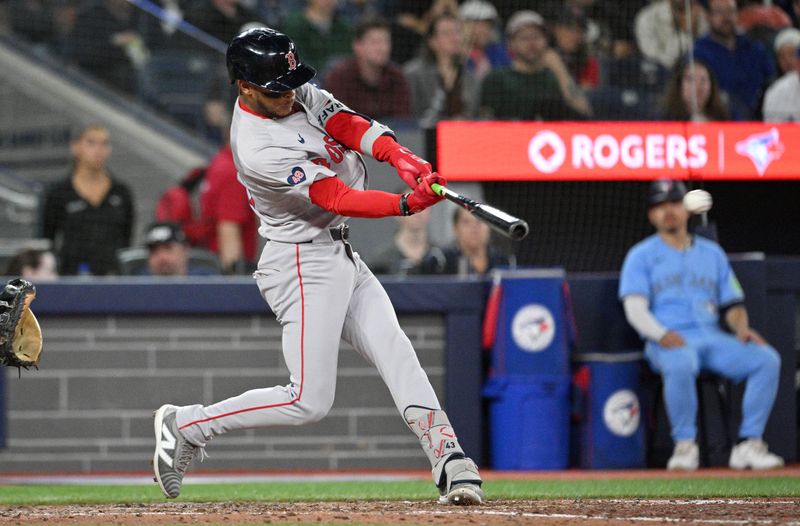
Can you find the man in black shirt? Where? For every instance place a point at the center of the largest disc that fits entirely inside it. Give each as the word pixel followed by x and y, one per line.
pixel 88 215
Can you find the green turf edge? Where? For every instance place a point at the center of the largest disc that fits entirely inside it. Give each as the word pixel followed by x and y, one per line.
pixel 15 495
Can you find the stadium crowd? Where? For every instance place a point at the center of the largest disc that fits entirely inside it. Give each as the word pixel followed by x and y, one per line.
pixel 474 59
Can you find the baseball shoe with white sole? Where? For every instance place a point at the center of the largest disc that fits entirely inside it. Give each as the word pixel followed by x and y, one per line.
pixel 754 454
pixel 462 484
pixel 173 452
pixel 685 456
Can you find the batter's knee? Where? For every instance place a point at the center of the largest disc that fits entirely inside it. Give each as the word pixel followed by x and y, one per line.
pixel 314 408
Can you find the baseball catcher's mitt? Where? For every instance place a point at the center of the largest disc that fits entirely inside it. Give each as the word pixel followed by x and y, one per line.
pixel 20 335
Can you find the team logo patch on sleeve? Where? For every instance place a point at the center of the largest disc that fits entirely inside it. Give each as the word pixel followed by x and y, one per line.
pixel 297 177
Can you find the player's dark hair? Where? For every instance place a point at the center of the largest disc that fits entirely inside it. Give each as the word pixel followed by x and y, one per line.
pixel 369 23
pixel 674 106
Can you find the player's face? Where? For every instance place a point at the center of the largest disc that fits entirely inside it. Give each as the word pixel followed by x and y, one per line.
pixel 265 103
pixel 670 217
pixel 168 259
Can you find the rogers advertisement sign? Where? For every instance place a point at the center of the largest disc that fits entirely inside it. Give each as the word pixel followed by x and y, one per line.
pixel 495 151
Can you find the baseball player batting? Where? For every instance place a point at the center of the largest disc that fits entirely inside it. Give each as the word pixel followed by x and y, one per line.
pixel 298 153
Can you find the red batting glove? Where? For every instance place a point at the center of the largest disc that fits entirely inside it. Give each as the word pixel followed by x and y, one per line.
pixel 409 166
pixel 423 196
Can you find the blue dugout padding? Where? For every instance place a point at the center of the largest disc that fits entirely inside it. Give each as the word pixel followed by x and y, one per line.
pixel 528 389
pixel 772 287
pixel 529 421
pixel 533 331
pixel 460 302
pixel 611 427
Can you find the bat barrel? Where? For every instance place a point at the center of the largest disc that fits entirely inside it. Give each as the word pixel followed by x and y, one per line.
pixel 518 230
pixel 504 223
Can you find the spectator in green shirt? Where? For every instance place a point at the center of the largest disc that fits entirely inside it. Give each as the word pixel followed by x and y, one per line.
pixel 320 33
pixel 537 85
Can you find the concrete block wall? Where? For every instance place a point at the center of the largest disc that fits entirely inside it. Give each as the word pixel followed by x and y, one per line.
pixel 89 407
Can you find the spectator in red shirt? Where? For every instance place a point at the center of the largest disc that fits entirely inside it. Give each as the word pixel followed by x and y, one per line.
pixel 368 82
pixel 225 207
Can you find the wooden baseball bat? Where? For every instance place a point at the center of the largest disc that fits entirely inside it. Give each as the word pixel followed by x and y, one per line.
pixel 506 224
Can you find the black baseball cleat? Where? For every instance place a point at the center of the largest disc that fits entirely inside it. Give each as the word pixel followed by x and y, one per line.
pixel 173 452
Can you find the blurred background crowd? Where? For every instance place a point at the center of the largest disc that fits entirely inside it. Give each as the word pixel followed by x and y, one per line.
pixel 411 64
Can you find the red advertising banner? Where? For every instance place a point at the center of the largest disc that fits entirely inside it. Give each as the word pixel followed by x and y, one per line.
pixel 580 151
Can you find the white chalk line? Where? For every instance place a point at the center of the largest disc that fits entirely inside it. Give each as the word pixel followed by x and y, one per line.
pixel 570 516
pixel 487 512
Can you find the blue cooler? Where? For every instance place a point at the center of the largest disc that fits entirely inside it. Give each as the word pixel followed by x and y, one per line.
pixel 529 421
pixel 533 328
pixel 612 432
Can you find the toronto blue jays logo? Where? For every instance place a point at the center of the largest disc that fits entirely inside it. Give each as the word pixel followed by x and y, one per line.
pixel 297 177
pixel 621 413
pixel 291 60
pixel 533 327
pixel 762 149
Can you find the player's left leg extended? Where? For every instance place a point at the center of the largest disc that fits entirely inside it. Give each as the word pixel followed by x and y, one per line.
pixel 372 328
pixel 759 366
pixel 309 293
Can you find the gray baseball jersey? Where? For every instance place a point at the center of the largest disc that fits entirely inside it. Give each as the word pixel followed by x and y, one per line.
pixel 318 288
pixel 278 159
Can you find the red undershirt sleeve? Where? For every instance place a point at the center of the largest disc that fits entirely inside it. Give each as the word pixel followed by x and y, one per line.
pixel 361 134
pixel 335 196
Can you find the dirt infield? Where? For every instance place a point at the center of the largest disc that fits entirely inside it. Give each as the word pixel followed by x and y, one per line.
pixel 540 512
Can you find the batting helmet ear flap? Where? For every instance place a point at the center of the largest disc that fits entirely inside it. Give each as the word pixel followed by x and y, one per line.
pixel 268 59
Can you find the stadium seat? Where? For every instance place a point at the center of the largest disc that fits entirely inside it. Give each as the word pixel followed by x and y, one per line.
pixel 633 73
pixel 627 104
pixel 179 84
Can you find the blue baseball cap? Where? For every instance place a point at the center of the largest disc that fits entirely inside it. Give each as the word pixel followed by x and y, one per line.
pixel 663 190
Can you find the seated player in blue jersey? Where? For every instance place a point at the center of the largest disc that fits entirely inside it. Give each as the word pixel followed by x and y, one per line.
pixel 673 286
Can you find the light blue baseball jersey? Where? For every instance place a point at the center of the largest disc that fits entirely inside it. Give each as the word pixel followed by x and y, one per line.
pixel 685 289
